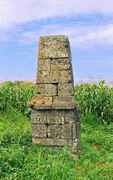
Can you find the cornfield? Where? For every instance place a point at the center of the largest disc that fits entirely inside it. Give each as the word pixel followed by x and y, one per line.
pixel 16 95
pixel 95 100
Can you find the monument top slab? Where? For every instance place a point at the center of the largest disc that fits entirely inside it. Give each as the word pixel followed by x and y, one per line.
pixel 54 47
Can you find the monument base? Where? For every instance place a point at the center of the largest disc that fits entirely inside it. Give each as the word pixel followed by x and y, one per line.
pixel 56 128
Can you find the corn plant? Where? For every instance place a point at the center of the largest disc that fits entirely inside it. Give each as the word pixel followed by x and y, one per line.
pixel 95 99
pixel 16 95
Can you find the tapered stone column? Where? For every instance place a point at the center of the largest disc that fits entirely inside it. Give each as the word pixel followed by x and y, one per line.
pixel 55 120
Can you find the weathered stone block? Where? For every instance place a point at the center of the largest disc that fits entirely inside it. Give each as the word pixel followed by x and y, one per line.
pixel 61 76
pixel 40 102
pixel 55 119
pixel 60 102
pixel 70 113
pixel 39 117
pixel 67 131
pixel 69 119
pixel 53 47
pixel 50 141
pixel 44 65
pixel 54 131
pixel 54 76
pixel 47 89
pixel 65 89
pixel 60 64
pixel 70 116
pixel 53 112
pixel 39 130
pixel 42 77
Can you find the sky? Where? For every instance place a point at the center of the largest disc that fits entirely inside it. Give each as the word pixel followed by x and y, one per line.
pixel 87 23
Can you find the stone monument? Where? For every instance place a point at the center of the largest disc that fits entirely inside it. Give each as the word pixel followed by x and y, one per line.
pixel 55 120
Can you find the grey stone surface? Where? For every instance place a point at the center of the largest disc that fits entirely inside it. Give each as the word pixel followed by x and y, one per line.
pixel 63 102
pixel 60 64
pixel 69 119
pixel 53 47
pixel 55 119
pixel 67 132
pixel 54 76
pixel 39 117
pixel 50 141
pixel 47 89
pixel 44 65
pixel 65 89
pixel 39 130
pixel 54 131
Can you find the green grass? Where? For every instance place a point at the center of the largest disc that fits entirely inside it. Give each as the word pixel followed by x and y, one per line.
pixel 21 160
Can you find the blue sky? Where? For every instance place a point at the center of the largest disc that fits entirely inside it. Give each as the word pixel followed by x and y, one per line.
pixel 87 23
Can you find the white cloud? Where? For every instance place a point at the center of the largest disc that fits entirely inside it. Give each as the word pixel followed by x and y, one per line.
pixel 17 12
pixel 4 36
pixel 94 35
pixel 14 12
pixel 80 36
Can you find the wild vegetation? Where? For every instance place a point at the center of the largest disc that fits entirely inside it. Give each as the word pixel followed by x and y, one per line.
pixel 16 95
pixel 95 101
pixel 20 159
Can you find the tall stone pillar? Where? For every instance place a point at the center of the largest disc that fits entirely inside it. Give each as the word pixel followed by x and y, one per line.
pixel 55 120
